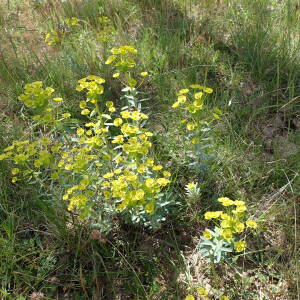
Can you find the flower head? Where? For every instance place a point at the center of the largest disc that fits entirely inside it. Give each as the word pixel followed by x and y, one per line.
pixel 207 235
pixel 225 201
pixel 202 291
pixel 240 246
pixel 212 215
pixel 251 224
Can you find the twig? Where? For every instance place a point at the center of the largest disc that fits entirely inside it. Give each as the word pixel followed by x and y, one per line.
pixel 292 100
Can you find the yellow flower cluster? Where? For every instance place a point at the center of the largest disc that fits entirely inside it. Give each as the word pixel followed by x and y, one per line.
pixel 106 31
pixel 72 21
pixel 79 195
pixel 76 160
pixel 105 159
pixel 133 179
pixel 93 85
pixel 56 36
pixel 203 293
pixel 40 101
pixel 137 185
pixel 191 99
pixel 122 58
pixel 28 156
pixel 230 222
pixel 52 38
pixel 35 96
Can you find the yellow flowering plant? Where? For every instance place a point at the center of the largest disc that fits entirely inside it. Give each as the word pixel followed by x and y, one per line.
pixel 106 30
pixel 65 28
pixel 191 103
pixel 204 294
pixel 229 225
pixel 53 37
pixel 122 60
pixel 71 22
pixel 104 167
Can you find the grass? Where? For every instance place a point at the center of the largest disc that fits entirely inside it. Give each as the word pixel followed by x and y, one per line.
pixel 248 52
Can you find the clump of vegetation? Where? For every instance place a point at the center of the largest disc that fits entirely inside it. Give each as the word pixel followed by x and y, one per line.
pixel 217 243
pixel 106 166
pixel 110 188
